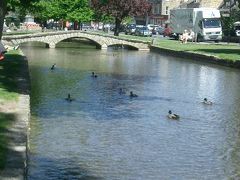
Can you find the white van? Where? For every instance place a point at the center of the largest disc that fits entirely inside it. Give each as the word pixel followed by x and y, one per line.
pixel 205 23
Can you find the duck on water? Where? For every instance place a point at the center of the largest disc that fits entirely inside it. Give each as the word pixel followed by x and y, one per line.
pixel 133 95
pixel 53 66
pixel 207 102
pixel 172 116
pixel 69 98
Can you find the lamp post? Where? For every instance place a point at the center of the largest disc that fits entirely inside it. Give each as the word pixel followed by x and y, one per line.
pixel 229 6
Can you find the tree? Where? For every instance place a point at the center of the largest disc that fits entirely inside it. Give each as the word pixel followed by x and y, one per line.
pixel 73 10
pixel 7 5
pixel 121 9
pixel 79 11
pixel 3 10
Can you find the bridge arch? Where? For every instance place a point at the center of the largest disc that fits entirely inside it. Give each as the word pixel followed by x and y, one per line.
pixel 131 47
pixel 91 40
pixel 102 41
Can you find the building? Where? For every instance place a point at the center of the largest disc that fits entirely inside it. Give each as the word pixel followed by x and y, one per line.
pixel 202 3
pixel 160 12
pixel 161 9
pixel 156 16
pixel 219 4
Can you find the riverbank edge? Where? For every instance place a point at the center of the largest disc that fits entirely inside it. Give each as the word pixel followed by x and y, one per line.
pixel 18 132
pixel 196 57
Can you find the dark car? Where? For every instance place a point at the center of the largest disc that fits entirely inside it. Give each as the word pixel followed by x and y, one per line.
pixel 121 28
pixel 130 29
pixel 143 31
pixel 160 30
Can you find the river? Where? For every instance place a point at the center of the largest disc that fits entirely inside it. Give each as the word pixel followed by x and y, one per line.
pixel 106 135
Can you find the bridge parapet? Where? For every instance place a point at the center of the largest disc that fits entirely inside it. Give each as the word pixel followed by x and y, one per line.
pixel 52 38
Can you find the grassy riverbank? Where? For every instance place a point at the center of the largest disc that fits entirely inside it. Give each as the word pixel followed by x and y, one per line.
pixel 223 51
pixel 9 70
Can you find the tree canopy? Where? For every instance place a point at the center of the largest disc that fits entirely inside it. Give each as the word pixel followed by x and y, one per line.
pixel 12 5
pixel 121 9
pixel 73 10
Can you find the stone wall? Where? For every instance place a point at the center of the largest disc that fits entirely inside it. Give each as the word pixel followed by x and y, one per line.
pixel 211 3
pixel 51 39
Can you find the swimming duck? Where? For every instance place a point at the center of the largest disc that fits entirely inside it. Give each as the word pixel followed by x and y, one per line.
pixel 53 66
pixel 69 99
pixel 172 116
pixel 94 75
pixel 122 91
pixel 132 95
pixel 206 101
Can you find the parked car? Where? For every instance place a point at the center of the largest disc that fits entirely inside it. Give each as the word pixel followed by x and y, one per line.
pixel 152 26
pixel 143 31
pixel 160 30
pixel 130 29
pixel 121 28
pixel 167 31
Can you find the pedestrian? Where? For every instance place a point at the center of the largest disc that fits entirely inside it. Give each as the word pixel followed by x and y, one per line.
pixel 192 35
pixel 184 36
pixel 2 51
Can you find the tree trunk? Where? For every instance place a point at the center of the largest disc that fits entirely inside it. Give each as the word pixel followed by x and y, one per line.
pixel 117 26
pixel 3 8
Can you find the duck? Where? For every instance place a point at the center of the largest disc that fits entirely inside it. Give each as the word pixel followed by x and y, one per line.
pixel 132 95
pixel 122 91
pixel 172 116
pixel 53 66
pixel 94 75
pixel 69 99
pixel 207 102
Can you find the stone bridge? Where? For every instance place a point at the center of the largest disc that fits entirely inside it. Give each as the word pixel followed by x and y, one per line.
pixel 102 41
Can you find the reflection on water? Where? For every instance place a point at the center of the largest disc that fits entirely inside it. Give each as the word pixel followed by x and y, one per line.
pixel 105 135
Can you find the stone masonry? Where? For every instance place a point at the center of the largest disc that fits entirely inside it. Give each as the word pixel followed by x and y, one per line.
pixel 52 38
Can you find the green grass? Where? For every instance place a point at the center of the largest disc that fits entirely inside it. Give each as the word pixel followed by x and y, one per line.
pixel 223 51
pixel 9 70
pixel 229 52
pixel 123 36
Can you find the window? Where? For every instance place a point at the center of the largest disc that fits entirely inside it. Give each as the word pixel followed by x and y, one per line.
pixel 156 9
pixel 166 10
pixel 212 23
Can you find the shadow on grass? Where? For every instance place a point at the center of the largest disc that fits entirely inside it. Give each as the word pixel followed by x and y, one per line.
pixel 221 51
pixel 6 119
pixel 13 74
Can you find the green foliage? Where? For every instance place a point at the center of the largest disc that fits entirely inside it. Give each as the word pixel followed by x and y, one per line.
pixel 128 20
pixel 102 17
pixel 73 10
pixel 227 22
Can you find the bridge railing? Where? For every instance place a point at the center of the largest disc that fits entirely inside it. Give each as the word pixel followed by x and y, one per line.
pixel 41 34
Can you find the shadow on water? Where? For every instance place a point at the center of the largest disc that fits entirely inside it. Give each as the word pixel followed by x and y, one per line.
pixel 60 169
pixel 97 97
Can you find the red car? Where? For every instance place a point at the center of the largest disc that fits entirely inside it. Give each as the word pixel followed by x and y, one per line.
pixel 167 31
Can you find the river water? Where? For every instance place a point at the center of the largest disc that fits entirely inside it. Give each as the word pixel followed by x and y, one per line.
pixel 106 135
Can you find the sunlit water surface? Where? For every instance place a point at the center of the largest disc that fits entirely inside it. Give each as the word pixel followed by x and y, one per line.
pixel 105 135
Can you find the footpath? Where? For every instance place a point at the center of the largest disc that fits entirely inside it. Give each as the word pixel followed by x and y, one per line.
pixel 15 167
